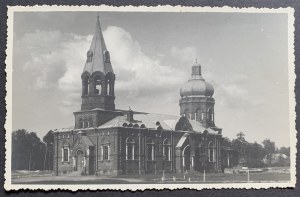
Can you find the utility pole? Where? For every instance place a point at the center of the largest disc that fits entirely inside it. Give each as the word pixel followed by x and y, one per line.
pixel 45 158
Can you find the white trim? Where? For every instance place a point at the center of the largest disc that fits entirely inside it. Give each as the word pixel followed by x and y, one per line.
pixel 133 151
pixel 101 150
pixel 108 152
pixel 62 154
pixel 126 151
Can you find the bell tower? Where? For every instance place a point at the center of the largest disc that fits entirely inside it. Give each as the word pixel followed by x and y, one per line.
pixel 98 78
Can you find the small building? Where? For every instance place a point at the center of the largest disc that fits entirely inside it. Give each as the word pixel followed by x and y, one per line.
pixel 276 159
pixel 106 140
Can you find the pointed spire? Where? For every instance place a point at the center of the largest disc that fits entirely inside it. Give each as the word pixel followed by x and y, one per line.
pixel 98 58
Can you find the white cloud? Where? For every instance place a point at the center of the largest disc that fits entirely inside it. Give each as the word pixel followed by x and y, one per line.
pixel 186 54
pixel 57 60
pixel 135 70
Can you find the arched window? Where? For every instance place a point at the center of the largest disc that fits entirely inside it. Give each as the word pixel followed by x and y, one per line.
pixel 81 122
pixel 89 56
pixel 65 154
pixel 210 115
pixel 105 151
pixel 167 149
pixel 202 116
pixel 86 124
pixel 198 115
pixel 85 85
pixel 130 145
pixel 106 57
pixel 150 150
pixel 108 87
pixel 211 152
pixel 195 116
pixel 97 85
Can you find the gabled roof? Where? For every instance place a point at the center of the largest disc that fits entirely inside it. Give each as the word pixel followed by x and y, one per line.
pixel 87 141
pixel 98 48
pixel 167 122
pixel 182 140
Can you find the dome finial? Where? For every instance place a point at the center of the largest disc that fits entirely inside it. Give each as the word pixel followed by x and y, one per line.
pixel 98 16
pixel 196 60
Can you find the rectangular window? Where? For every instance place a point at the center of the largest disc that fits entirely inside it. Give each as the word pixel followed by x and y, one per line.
pixel 65 154
pixel 105 152
pixel 150 152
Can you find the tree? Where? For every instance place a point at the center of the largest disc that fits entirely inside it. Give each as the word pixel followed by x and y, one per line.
pixel 49 142
pixel 27 151
pixel 284 150
pixel 254 155
pixel 269 148
pixel 239 146
pixel 240 136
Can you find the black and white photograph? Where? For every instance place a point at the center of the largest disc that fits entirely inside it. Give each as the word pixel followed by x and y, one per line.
pixel 136 98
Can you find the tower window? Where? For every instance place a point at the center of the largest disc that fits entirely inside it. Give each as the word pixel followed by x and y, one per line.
pixel 97 85
pixel 81 123
pixel 89 56
pixel 106 57
pixel 202 116
pixel 86 124
pixel 85 85
pixel 108 87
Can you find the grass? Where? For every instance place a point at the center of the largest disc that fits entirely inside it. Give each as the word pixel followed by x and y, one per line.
pixel 195 177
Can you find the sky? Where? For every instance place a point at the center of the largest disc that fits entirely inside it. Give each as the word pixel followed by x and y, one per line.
pixel 243 55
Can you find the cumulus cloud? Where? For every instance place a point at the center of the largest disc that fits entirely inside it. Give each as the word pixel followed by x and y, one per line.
pixel 56 60
pixel 138 73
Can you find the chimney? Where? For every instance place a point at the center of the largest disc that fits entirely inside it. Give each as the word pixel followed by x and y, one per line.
pixel 130 115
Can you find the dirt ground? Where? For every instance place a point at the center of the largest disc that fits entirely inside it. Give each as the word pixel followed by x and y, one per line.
pixel 46 178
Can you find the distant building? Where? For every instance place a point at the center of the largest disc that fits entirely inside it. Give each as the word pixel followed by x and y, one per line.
pixel 276 159
pixel 106 140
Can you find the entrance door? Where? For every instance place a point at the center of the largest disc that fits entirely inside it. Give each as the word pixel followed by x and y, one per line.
pixel 79 161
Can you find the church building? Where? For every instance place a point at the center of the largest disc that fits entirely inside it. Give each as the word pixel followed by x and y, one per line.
pixel 110 141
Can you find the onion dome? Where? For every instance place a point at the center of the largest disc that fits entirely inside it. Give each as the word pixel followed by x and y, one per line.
pixel 196 86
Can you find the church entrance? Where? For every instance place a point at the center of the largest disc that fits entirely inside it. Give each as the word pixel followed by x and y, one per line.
pixel 80 161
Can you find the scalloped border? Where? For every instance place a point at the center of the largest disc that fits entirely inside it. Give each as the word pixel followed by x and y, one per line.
pixel 141 187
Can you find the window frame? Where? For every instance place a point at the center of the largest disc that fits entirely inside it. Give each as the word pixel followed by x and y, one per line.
pixel 64 157
pixel 130 143
pixel 213 149
pixel 150 145
pixel 167 148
